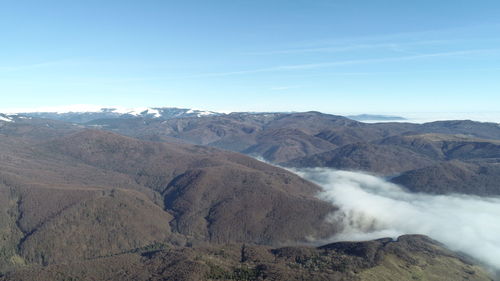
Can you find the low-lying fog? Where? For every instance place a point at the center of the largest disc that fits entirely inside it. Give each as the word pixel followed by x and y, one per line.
pixel 371 208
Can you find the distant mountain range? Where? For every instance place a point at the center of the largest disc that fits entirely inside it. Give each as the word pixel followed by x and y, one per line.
pixel 162 113
pixel 401 151
pixel 83 115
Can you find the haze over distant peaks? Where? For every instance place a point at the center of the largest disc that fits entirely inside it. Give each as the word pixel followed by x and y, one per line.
pixel 86 113
pixel 375 117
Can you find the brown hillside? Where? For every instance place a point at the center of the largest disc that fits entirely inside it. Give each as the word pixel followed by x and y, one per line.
pixel 95 193
pixel 407 259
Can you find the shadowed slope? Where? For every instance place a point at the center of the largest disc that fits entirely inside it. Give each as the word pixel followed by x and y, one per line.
pixel 454 177
pixel 366 157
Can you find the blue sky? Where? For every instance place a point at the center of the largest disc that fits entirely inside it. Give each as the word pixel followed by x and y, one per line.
pixel 367 56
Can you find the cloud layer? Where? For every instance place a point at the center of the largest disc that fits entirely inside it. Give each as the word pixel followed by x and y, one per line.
pixel 373 208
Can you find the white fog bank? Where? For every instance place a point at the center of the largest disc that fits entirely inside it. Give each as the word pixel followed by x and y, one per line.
pixel 372 208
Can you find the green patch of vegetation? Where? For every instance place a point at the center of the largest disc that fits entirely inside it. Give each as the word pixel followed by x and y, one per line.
pixel 245 273
pixel 17 260
pixel 438 269
pixel 221 253
pixel 217 273
pixel 319 263
pixel 157 246
pixel 240 273
pixel 10 235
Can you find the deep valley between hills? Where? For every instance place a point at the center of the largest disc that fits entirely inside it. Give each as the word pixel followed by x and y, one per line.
pixel 119 197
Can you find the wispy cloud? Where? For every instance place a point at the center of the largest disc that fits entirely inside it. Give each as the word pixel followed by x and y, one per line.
pixel 310 66
pixel 431 36
pixel 394 46
pixel 271 69
pixel 402 42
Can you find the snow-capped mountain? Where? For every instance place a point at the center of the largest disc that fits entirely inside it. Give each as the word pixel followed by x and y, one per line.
pixel 84 114
pixel 6 118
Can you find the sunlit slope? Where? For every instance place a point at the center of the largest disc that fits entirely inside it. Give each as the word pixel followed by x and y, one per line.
pixel 410 258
